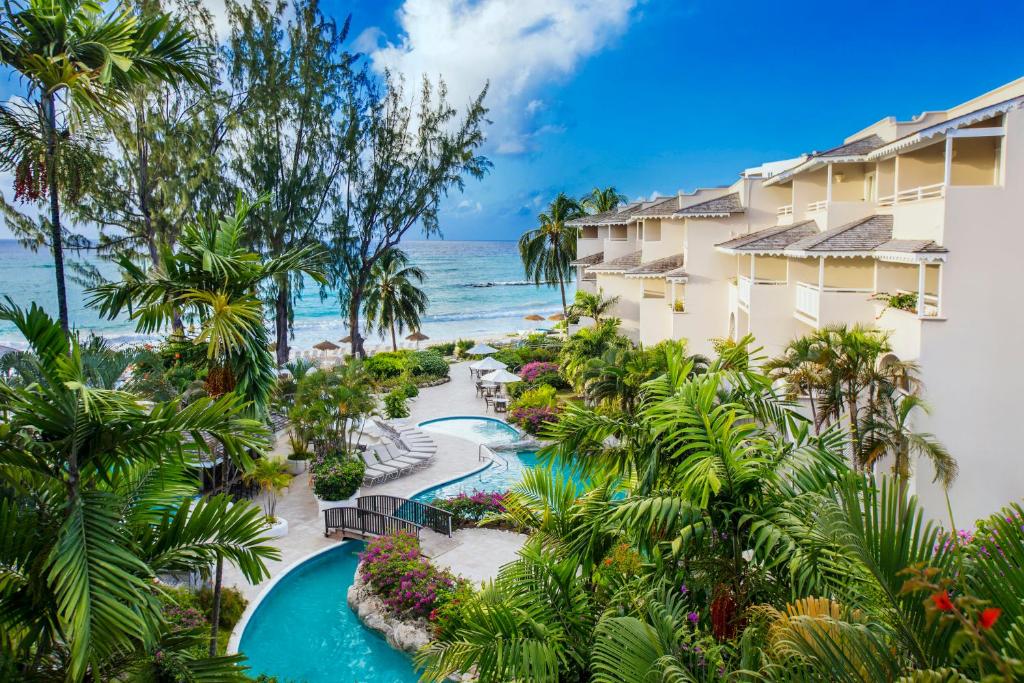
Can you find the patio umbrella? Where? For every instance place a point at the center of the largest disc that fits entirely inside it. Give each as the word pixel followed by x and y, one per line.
pixel 501 377
pixel 534 317
pixel 488 364
pixel 482 350
pixel 326 345
pixel 557 316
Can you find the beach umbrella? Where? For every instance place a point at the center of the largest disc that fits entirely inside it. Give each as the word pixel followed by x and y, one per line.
pixel 488 364
pixel 482 350
pixel 557 316
pixel 326 345
pixel 417 337
pixel 347 339
pixel 534 317
pixel 501 377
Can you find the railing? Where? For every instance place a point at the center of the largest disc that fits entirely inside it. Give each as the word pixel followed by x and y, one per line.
pixel 808 298
pixel 818 206
pixel 413 511
pixel 649 294
pixel 366 522
pixel 913 194
pixel 786 210
pixel 743 291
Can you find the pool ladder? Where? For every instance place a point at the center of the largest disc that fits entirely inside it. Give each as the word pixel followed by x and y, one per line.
pixel 493 455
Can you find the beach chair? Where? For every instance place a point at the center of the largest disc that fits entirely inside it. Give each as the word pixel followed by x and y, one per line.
pixel 396 459
pixel 376 471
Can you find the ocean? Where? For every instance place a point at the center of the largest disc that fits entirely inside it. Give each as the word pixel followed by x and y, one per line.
pixel 476 290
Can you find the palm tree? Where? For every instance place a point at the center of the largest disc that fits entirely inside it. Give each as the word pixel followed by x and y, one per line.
pixel 804 376
pixel 214 281
pixel 76 58
pixel 393 297
pixel 96 500
pixel 548 250
pixel 588 343
pixel 587 305
pixel 601 200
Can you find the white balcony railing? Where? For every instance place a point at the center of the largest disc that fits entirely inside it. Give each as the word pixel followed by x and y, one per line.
pixel 817 206
pixel 808 298
pixel 743 290
pixel 913 194
pixel 786 210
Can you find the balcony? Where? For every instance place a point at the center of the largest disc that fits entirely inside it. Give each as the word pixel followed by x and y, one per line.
pixel 786 210
pixel 817 206
pixel 743 291
pixel 821 306
pixel 914 194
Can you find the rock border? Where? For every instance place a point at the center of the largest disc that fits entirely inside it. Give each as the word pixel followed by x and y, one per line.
pixel 403 635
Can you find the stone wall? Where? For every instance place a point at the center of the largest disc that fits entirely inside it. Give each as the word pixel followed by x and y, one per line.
pixel 404 635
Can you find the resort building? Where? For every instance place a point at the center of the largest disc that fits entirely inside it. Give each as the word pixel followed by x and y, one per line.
pixel 914 227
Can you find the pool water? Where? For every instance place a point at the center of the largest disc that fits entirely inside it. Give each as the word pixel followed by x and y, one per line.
pixel 305 631
pixel 476 429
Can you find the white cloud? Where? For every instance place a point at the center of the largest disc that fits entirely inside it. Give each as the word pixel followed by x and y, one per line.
pixel 519 46
pixel 468 207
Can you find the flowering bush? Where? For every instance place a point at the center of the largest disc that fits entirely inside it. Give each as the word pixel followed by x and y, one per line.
pixel 404 579
pixel 532 419
pixel 531 371
pixel 336 478
pixel 468 509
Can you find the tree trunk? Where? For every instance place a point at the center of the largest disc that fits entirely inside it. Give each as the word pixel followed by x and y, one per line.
pixel 394 342
pixel 215 611
pixel 56 236
pixel 561 286
pixel 281 322
pixel 356 297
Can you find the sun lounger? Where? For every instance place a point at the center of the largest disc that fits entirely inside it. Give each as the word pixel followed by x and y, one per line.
pixel 396 459
pixel 395 450
pixel 377 471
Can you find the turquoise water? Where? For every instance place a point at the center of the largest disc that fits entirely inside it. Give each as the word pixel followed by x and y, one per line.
pixel 476 429
pixel 475 289
pixel 304 631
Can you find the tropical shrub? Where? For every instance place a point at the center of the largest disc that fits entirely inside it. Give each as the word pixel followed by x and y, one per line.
pixel 468 509
pixel 385 365
pixel 336 478
pixel 394 404
pixel 534 369
pixel 403 578
pixel 444 348
pixel 232 605
pixel 463 345
pixel 427 364
pixel 533 419
pixel 410 390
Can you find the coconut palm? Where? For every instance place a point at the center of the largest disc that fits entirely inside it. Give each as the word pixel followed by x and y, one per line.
pixel 798 367
pixel 78 62
pixel 270 476
pixel 394 299
pixel 588 343
pixel 96 500
pixel 548 249
pixel 600 200
pixel 590 305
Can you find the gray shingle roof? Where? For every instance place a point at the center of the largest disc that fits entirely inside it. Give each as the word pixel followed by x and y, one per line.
pixel 663 206
pixel 859 147
pixel 592 219
pixel 676 273
pixel 588 277
pixel 617 265
pixel 658 266
pixel 588 260
pixel 719 206
pixel 912 247
pixel 772 239
pixel 860 235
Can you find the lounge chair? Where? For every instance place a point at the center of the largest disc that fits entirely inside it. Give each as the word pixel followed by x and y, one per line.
pixel 376 471
pixel 395 449
pixel 396 459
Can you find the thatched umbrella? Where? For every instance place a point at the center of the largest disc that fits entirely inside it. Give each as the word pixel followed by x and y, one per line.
pixel 347 339
pixel 534 317
pixel 417 337
pixel 557 317
pixel 326 345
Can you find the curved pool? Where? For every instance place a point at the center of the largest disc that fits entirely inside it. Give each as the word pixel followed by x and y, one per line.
pixel 488 430
pixel 303 630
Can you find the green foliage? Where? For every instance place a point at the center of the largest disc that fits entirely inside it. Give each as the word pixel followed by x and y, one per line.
pixel 426 364
pixel 410 390
pixel 394 301
pixel 542 396
pixel 463 345
pixel 337 478
pixel 329 405
pixel 386 365
pixel 548 249
pixel 395 404
pixel 444 348
pixel 232 605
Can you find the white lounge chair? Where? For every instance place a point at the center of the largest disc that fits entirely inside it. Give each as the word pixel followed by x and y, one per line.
pixel 395 450
pixel 377 471
pixel 396 459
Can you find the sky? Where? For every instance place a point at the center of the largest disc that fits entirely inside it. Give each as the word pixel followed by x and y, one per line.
pixel 657 96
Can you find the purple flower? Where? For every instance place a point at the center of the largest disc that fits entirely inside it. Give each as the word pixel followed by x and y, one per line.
pixel 683 590
pixel 693 617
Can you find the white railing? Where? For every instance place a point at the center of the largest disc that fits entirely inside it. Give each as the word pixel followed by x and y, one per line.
pixel 914 194
pixel 743 291
pixel 808 298
pixel 818 206
pixel 786 210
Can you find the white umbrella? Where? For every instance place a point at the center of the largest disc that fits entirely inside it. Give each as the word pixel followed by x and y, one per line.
pixel 482 350
pixel 488 364
pixel 501 377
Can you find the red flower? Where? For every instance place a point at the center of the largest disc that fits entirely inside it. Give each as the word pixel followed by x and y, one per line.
pixel 989 616
pixel 942 601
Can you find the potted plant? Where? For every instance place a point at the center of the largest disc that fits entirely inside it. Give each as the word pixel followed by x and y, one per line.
pixel 271 476
pixel 299 453
pixel 337 481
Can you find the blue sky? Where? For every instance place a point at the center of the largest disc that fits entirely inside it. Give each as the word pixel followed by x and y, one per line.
pixel 658 96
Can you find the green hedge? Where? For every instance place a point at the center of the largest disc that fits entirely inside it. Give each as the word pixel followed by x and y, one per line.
pixel 427 363
pixel 337 478
pixel 385 365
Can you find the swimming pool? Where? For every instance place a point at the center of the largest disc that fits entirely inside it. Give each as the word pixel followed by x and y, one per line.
pixel 304 630
pixel 476 429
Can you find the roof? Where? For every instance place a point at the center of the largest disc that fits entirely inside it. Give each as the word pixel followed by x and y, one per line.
pixel 677 274
pixel 967 119
pixel 588 260
pixel 617 265
pixel 592 219
pixel 772 239
pixel 853 151
pixel 719 206
pixel 912 247
pixel 657 266
pixel 661 207
pixel 861 235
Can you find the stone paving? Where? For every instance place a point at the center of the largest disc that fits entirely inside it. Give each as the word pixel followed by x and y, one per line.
pixel 475 553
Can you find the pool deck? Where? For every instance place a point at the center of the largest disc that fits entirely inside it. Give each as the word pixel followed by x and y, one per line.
pixel 474 553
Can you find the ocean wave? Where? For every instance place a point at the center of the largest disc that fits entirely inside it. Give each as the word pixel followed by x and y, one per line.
pixel 507 283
